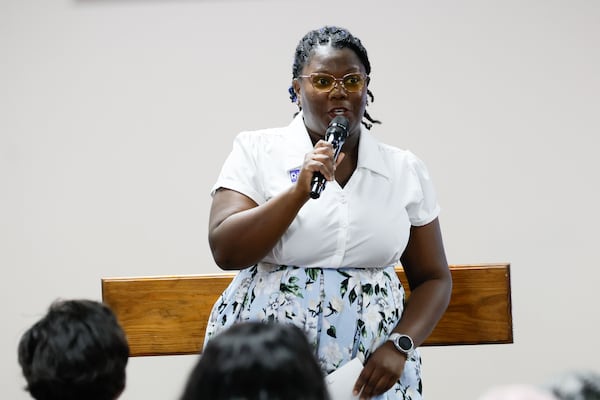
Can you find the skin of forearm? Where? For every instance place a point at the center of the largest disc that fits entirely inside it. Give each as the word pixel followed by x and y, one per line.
pixel 245 237
pixel 429 299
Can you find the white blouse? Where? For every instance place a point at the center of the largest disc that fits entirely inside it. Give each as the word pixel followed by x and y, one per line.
pixel 365 224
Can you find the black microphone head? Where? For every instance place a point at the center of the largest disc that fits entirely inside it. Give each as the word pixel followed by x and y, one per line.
pixel 340 121
pixel 338 127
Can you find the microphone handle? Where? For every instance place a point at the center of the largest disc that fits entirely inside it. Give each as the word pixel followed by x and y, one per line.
pixel 317 185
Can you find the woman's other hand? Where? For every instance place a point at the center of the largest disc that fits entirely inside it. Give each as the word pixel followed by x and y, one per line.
pixel 382 370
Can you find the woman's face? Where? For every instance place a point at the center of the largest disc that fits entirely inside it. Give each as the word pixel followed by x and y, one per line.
pixel 318 107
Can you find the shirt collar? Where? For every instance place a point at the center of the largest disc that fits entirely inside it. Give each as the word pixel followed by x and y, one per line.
pixel 299 134
pixel 369 154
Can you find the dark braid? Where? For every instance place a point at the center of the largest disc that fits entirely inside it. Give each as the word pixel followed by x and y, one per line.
pixel 339 38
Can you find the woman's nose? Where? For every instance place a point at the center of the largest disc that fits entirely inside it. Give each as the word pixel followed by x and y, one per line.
pixel 338 90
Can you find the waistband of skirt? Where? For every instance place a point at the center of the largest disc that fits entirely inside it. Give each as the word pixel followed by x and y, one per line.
pixel 269 267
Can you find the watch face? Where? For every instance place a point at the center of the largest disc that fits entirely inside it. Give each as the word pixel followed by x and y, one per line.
pixel 405 343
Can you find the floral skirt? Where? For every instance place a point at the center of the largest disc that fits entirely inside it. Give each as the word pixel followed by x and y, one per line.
pixel 345 312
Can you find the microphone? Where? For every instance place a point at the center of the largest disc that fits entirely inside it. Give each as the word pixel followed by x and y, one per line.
pixel 336 135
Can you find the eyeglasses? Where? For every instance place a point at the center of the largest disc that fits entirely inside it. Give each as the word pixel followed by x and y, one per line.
pixel 353 82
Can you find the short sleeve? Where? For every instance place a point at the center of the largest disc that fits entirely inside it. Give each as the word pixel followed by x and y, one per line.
pixel 240 171
pixel 425 207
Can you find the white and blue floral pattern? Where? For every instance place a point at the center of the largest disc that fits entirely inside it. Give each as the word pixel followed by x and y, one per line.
pixel 346 312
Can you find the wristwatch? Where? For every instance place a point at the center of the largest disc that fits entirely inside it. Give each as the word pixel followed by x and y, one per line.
pixel 403 343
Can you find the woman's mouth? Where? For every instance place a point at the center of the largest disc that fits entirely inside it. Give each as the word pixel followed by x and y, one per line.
pixel 338 111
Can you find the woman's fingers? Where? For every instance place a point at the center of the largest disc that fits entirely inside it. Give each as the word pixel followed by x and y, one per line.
pixel 382 369
pixel 320 159
pixel 375 385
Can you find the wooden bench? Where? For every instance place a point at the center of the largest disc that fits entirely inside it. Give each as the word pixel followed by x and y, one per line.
pixel 167 315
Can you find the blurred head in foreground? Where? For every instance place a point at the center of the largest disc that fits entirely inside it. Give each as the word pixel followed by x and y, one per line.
pixel 76 351
pixel 257 361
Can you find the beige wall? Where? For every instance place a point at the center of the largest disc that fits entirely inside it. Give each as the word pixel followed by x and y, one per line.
pixel 116 116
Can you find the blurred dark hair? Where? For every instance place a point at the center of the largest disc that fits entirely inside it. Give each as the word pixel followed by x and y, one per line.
pixel 257 361
pixel 76 351
pixel 576 385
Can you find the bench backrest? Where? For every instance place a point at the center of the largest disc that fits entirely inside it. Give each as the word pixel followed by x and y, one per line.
pixel 167 315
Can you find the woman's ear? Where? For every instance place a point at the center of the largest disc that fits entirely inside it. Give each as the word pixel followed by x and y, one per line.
pixel 296 86
pixel 296 89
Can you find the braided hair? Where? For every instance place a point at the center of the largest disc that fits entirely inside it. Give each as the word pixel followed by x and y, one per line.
pixel 338 38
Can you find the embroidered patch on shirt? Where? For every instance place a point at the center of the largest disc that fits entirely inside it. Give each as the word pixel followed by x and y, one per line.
pixel 294 174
